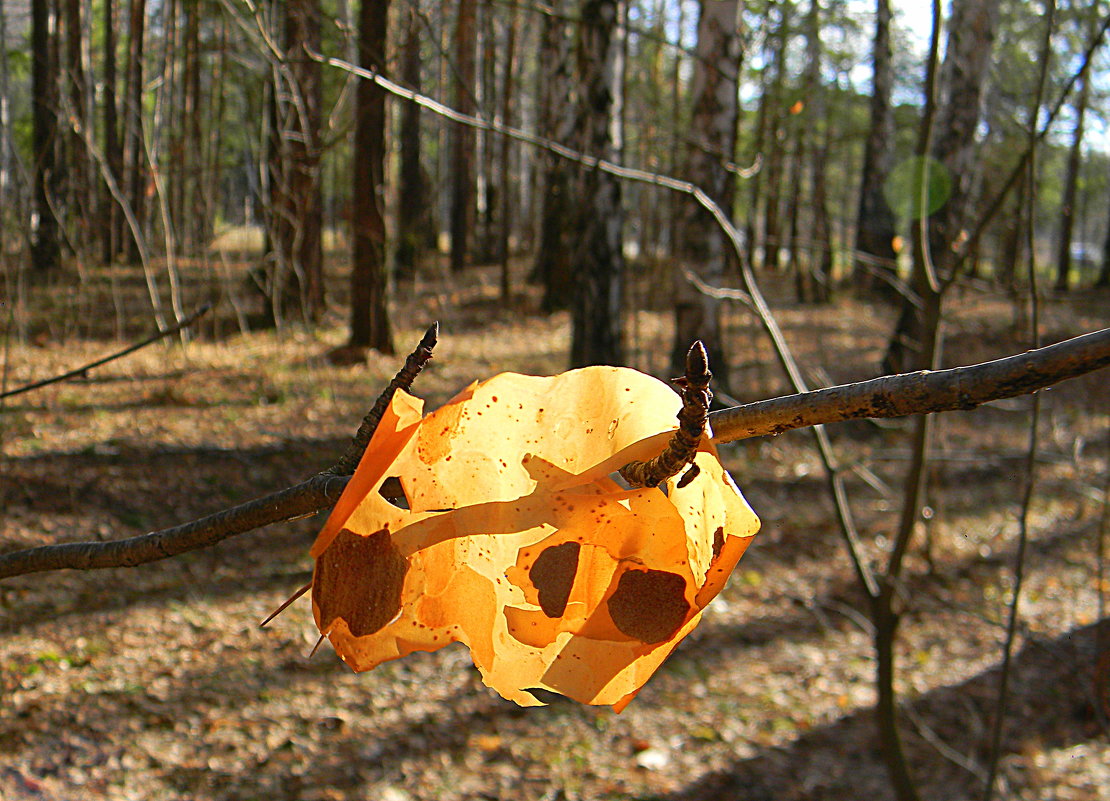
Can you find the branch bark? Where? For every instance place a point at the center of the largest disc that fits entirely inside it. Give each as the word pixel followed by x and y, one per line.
pixel 301 500
pixel 920 392
pixel 891 396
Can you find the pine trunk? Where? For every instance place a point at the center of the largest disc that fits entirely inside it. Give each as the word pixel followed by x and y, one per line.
pixel 412 218
pixel 45 248
pixel 112 218
pixel 294 283
pixel 370 325
pixel 135 153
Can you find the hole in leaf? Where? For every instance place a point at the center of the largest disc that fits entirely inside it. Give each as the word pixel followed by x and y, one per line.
pixel 545 696
pixel 359 579
pixel 394 492
pixel 620 480
pixel 649 605
pixel 553 576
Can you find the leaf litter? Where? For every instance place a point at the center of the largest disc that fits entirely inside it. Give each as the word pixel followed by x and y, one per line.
pixel 156 683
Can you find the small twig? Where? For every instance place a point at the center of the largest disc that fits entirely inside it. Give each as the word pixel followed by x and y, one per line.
pixel 80 372
pixel 1002 697
pixel 285 604
pixel 403 380
pixel 692 418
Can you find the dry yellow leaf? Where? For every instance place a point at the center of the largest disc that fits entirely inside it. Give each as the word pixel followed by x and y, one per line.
pixel 517 542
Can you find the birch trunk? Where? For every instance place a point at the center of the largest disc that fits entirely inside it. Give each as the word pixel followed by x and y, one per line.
pixel 596 324
pixel 701 245
pixel 875 227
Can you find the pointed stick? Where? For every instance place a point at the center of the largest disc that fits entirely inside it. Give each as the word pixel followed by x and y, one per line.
pixel 285 604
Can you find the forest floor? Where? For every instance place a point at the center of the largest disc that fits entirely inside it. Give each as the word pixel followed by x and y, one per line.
pixel 157 683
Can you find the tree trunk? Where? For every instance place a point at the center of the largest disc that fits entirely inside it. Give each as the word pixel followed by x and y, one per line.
pixel 819 131
pixel 754 233
pixel 599 261
pixel 702 245
pixel 9 190
pixel 412 218
pixel 875 227
pixel 483 243
pixel 556 121
pixel 971 32
pixel 196 222
pixel 79 201
pixel 775 142
pixel 296 277
pixel 1071 190
pixel 1104 270
pixel 505 169
pixel 370 326
pixel 45 249
pixel 954 149
pixel 112 219
pixel 135 154
pixel 462 138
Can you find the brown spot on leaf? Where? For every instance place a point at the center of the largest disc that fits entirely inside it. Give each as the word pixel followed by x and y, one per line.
pixel 553 576
pixel 359 579
pixel 718 542
pixel 649 605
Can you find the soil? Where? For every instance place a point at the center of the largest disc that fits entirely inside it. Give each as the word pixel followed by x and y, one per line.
pixel 156 682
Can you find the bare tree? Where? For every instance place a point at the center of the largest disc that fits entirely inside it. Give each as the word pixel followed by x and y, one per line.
pixel 112 219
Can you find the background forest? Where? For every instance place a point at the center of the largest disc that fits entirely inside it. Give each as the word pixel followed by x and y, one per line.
pixel 821 190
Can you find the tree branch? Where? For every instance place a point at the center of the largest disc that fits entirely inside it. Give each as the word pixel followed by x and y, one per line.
pixel 83 369
pixel 301 500
pixel 917 393
pixel 891 396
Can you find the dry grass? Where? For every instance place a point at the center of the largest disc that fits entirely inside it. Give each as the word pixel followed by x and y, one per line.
pixel 155 683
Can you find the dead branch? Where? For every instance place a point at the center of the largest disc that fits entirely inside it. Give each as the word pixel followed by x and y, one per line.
pixel 917 393
pixel 892 396
pixel 301 500
pixel 80 372
pixel 403 380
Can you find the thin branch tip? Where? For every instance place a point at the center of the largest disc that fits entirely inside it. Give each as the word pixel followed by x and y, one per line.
pixel 692 418
pixel 697 365
pixel 431 337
